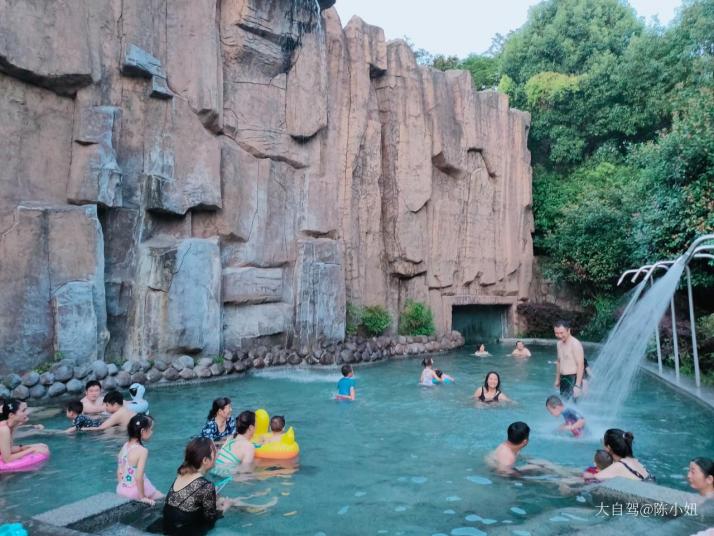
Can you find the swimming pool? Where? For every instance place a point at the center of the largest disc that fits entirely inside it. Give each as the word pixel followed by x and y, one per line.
pixel 402 459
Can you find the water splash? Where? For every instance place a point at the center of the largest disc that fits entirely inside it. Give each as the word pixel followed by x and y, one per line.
pixel 619 359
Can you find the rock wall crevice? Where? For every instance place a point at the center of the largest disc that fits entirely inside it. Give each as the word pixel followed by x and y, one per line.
pixel 220 174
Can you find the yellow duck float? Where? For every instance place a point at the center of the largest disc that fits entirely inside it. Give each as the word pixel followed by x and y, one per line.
pixel 285 449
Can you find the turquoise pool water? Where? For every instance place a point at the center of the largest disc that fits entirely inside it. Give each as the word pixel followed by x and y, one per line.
pixel 402 459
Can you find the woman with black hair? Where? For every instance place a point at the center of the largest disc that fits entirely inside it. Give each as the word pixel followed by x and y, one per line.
pixel 13 413
pixel 490 392
pixel 619 445
pixel 191 504
pixel 238 452
pixel 219 424
pixel 701 476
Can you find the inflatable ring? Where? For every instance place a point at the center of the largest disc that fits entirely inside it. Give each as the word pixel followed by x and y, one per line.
pixel 26 463
pixel 285 449
pixel 445 381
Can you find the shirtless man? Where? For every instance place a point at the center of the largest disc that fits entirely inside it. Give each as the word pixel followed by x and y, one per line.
pixel 91 401
pixel 521 350
pixel 120 415
pixel 570 366
pixel 503 459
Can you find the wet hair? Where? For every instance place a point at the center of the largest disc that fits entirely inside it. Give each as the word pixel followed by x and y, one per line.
pixel 439 373
pixel 9 406
pixel 346 369
pixel 92 383
pixel 218 404
pixel 244 421
pixel 277 423
pixel 427 362
pixel 602 459
pixel 138 424
pixel 197 450
pixel 706 465
pixel 114 397
pixel 518 432
pixel 485 381
pixel 553 401
pixel 75 406
pixel 561 324
pixel 620 442
pixel 519 341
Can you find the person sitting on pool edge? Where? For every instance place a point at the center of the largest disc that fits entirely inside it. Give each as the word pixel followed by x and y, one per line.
pixel 120 415
pixel 490 392
pixel 346 385
pixel 701 476
pixel 574 422
pixel 521 350
pixel 503 459
pixel 481 352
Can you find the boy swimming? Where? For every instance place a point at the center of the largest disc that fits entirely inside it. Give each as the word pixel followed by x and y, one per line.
pixel 73 411
pixel 574 422
pixel 441 377
pixel 346 385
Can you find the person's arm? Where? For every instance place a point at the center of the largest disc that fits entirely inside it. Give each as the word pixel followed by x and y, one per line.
pixel 528 352
pixel 557 373
pixel 477 393
pixel 209 503
pixel 503 398
pixel 140 466
pixel 113 420
pixel 577 425
pixel 353 393
pixel 580 361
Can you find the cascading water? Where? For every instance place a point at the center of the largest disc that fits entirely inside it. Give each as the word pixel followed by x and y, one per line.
pixel 619 359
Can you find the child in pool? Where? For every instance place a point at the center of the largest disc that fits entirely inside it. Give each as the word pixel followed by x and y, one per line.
pixel 131 480
pixel 92 401
pixel 442 378
pixel 73 411
pixel 574 422
pixel 277 430
pixel 602 460
pixel 428 375
pixel 482 352
pixel 346 385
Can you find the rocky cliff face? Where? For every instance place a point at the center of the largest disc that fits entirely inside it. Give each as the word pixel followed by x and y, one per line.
pixel 186 176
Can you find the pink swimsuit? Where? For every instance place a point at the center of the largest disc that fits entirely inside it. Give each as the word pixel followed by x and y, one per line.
pixel 127 485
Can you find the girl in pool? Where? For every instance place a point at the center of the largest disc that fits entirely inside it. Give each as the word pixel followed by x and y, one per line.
pixel 490 392
pixel 624 463
pixel 701 476
pixel 238 453
pixel 131 480
pixel 428 375
pixel 13 413
pixel 481 352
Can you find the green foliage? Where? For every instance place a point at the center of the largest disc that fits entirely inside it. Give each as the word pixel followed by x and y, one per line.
pixel 547 87
pixel 444 63
pixel 705 326
pixel 483 69
pixel 416 319
pixel 376 320
pixel 219 359
pixel 604 317
pixel 507 85
pixel 354 319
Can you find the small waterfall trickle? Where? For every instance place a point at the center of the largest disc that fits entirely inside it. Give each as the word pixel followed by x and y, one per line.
pixel 619 358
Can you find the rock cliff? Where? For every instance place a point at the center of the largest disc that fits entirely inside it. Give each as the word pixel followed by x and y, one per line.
pixel 189 176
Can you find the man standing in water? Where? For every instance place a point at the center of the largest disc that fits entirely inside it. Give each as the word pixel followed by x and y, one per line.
pixel 570 366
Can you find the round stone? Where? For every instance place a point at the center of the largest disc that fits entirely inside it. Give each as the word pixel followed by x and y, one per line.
pixel 138 377
pixel 217 369
pixel 4 391
pixel 144 365
pixel 100 370
pixel 75 386
pixel 187 374
pixel 81 372
pixel 123 379
pixel 171 374
pixel 47 378
pixel 12 381
pixel 30 379
pixel 202 372
pixel 112 369
pixel 56 389
pixel 21 392
pixel 63 373
pixel 205 362
pixel 109 383
pixel 161 365
pixel 38 391
pixel 153 375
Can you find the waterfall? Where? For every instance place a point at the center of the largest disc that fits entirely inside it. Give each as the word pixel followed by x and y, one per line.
pixel 619 358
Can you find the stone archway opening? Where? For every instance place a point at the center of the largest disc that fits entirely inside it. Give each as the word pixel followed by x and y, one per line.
pixel 480 323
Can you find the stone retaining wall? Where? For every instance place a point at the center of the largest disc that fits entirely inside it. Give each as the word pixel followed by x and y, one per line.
pixel 67 378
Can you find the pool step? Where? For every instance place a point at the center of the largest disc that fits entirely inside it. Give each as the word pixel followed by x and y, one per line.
pixel 119 529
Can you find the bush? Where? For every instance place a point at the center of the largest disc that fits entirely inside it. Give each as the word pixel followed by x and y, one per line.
pixel 376 320
pixel 540 317
pixel 416 319
pixel 353 320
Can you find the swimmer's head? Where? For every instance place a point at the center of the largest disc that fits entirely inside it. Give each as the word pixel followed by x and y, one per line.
pixel 73 408
pixel 113 401
pixel 554 405
pixel 518 433
pixel 482 348
pixel 140 427
pixel 492 381
pixel 92 390
pixel 618 442
pixel 602 459
pixel 519 345
pixel 561 329
pixel 439 373
pixel 346 370
pixel 701 475
pixel 427 362
pixel 220 405
pixel 245 423
pixel 277 423
pixel 200 454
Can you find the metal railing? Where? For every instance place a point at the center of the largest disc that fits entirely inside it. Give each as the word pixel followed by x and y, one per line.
pixel 697 250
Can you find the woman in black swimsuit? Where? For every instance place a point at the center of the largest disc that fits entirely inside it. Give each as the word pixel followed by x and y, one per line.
pixel 619 444
pixel 490 392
